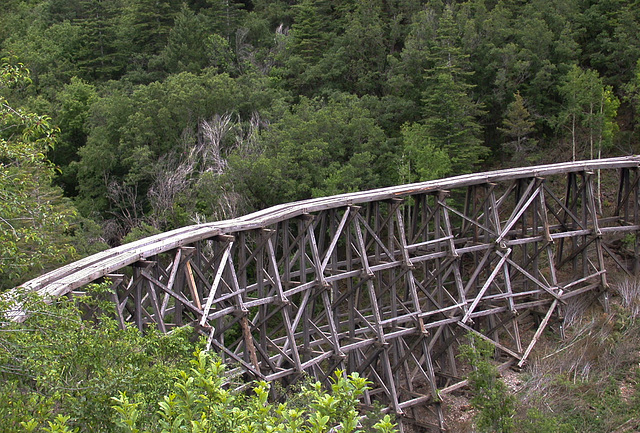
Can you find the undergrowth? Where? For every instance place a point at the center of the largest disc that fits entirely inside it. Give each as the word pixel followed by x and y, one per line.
pixel 495 406
pixel 589 381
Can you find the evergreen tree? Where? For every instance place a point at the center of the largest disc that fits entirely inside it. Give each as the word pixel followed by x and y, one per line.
pixel 405 81
pixel 609 38
pixel 449 111
pixel 307 42
pixel 309 39
pixel 142 31
pixel 517 126
pixel 186 47
pixel 225 16
pixel 358 61
pixel 100 57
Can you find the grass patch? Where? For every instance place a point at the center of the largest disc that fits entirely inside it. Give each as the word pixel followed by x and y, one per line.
pixel 589 381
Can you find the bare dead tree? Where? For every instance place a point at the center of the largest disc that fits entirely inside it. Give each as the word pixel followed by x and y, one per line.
pixel 202 160
pixel 209 147
pixel 125 207
pixel 229 203
pixel 172 178
pixel 247 143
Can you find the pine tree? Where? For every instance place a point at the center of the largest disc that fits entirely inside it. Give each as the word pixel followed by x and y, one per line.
pixel 362 49
pixel 185 49
pixel 308 31
pixel 449 111
pixel 99 57
pixel 517 126
pixel 142 32
pixel 226 16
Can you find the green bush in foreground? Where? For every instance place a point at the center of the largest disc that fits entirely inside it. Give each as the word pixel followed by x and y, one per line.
pixel 55 363
pixel 200 404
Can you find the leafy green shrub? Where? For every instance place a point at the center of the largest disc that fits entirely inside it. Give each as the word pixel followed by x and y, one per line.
pixel 538 422
pixel 200 404
pixel 34 218
pixel 54 363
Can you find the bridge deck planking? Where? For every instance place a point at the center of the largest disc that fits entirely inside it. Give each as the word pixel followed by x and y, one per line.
pixel 384 282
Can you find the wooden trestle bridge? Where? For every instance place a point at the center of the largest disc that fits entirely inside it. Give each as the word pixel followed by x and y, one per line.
pixel 383 282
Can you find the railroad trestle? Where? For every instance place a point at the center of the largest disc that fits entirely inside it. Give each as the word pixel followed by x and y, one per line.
pixel 385 282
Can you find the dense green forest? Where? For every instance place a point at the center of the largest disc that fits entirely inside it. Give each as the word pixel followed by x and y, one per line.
pixel 167 112
pixel 121 118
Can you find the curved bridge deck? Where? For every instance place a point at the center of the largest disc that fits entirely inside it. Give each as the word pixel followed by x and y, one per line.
pixel 383 282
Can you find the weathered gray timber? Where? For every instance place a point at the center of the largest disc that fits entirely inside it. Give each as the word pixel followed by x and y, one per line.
pixel 382 282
